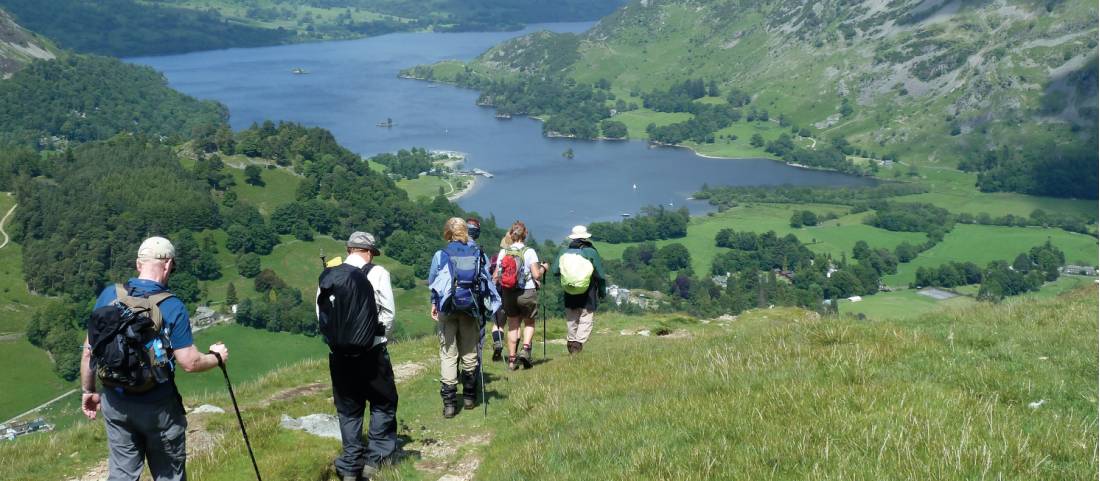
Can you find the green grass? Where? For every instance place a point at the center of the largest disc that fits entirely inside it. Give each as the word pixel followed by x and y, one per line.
pixel 252 354
pixel 834 237
pixel 425 186
pixel 903 304
pixel 278 189
pixel 789 396
pixel 29 379
pixel 982 244
pixel 17 304
pixel 774 394
pixel 955 191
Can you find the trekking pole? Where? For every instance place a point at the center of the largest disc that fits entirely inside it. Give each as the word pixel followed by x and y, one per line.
pixel 239 418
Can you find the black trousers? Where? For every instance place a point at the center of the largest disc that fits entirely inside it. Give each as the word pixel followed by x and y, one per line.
pixel 357 380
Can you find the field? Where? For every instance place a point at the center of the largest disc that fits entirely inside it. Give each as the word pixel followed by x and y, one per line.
pixel 28 379
pixel 774 394
pixel 903 304
pixel 279 186
pixel 954 190
pixel 252 353
pixel 16 302
pixel 982 244
pixel 834 237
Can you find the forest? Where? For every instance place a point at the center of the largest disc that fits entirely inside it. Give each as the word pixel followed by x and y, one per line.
pixel 654 223
pixel 79 98
pixel 128 28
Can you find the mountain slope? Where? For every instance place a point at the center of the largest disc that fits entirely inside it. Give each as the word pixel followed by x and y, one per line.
pixel 928 80
pixel 770 394
pixel 19 46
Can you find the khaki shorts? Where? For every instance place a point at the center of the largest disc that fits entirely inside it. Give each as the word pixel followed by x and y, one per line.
pixel 520 303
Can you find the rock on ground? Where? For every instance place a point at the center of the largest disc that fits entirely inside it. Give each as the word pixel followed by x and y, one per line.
pixel 322 425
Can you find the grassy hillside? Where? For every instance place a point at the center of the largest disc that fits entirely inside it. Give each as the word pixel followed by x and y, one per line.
pixel 933 82
pixel 774 394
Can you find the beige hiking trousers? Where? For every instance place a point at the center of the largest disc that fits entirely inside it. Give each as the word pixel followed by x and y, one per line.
pixel 458 336
pixel 579 324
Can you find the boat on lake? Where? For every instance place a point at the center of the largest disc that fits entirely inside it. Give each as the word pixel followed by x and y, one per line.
pixel 298 71
pixel 387 123
pixel 504 116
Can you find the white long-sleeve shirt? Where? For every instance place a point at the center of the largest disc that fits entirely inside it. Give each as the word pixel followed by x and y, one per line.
pixel 379 278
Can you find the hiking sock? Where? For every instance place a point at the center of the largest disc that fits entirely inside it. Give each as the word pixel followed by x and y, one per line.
pixel 498 338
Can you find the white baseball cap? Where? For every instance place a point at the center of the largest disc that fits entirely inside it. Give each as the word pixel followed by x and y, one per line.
pixel 156 248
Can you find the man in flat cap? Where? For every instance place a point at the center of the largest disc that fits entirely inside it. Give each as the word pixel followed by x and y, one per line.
pixel 355 311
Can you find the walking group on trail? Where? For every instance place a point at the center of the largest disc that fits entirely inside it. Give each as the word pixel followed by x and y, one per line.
pixel 139 332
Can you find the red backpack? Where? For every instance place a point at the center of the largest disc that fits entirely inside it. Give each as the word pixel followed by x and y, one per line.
pixel 512 275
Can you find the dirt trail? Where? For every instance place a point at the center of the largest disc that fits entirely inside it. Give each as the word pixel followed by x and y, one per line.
pixel 4 221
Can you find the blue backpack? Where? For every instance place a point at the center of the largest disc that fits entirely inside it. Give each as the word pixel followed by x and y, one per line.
pixel 464 262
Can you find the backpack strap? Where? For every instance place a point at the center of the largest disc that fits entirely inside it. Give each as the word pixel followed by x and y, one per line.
pixel 367 268
pixel 150 304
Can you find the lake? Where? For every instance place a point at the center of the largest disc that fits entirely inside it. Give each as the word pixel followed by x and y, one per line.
pixel 352 85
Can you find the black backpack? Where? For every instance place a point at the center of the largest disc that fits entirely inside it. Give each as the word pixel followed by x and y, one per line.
pixel 347 314
pixel 129 350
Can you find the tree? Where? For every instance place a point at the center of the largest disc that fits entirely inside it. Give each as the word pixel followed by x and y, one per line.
pixel 796 220
pixel 809 218
pixel 757 141
pixel 253 175
pixel 248 265
pixel 230 294
pixel 268 280
pixel 861 250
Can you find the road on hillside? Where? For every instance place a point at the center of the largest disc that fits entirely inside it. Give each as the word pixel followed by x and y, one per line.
pixel 4 221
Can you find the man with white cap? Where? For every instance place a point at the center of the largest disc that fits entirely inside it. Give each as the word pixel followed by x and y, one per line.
pixel 584 284
pixel 147 423
pixel 355 310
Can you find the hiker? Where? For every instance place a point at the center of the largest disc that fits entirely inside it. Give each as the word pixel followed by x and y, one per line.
pixel 583 285
pixel 518 272
pixel 355 317
pixel 473 229
pixel 142 407
pixel 459 284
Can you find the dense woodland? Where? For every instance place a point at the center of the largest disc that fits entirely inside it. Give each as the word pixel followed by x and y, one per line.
pixel 405 164
pixel 127 28
pixel 80 98
pixel 131 28
pixel 654 223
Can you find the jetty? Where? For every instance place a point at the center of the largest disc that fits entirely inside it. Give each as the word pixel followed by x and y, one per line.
pixel 480 172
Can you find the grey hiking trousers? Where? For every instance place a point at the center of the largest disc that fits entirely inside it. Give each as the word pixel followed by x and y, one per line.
pixel 140 430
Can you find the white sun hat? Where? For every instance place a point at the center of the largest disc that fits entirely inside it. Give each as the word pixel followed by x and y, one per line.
pixel 580 232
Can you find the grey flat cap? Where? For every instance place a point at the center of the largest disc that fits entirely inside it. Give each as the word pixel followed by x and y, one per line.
pixel 364 240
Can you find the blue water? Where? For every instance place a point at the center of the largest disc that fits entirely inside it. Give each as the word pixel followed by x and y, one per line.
pixel 352 85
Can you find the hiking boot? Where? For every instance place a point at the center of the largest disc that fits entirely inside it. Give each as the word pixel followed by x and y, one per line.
pixel 578 347
pixel 512 363
pixel 450 403
pixel 369 470
pixel 469 389
pixel 571 346
pixel 350 477
pixel 524 356
pixel 498 351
